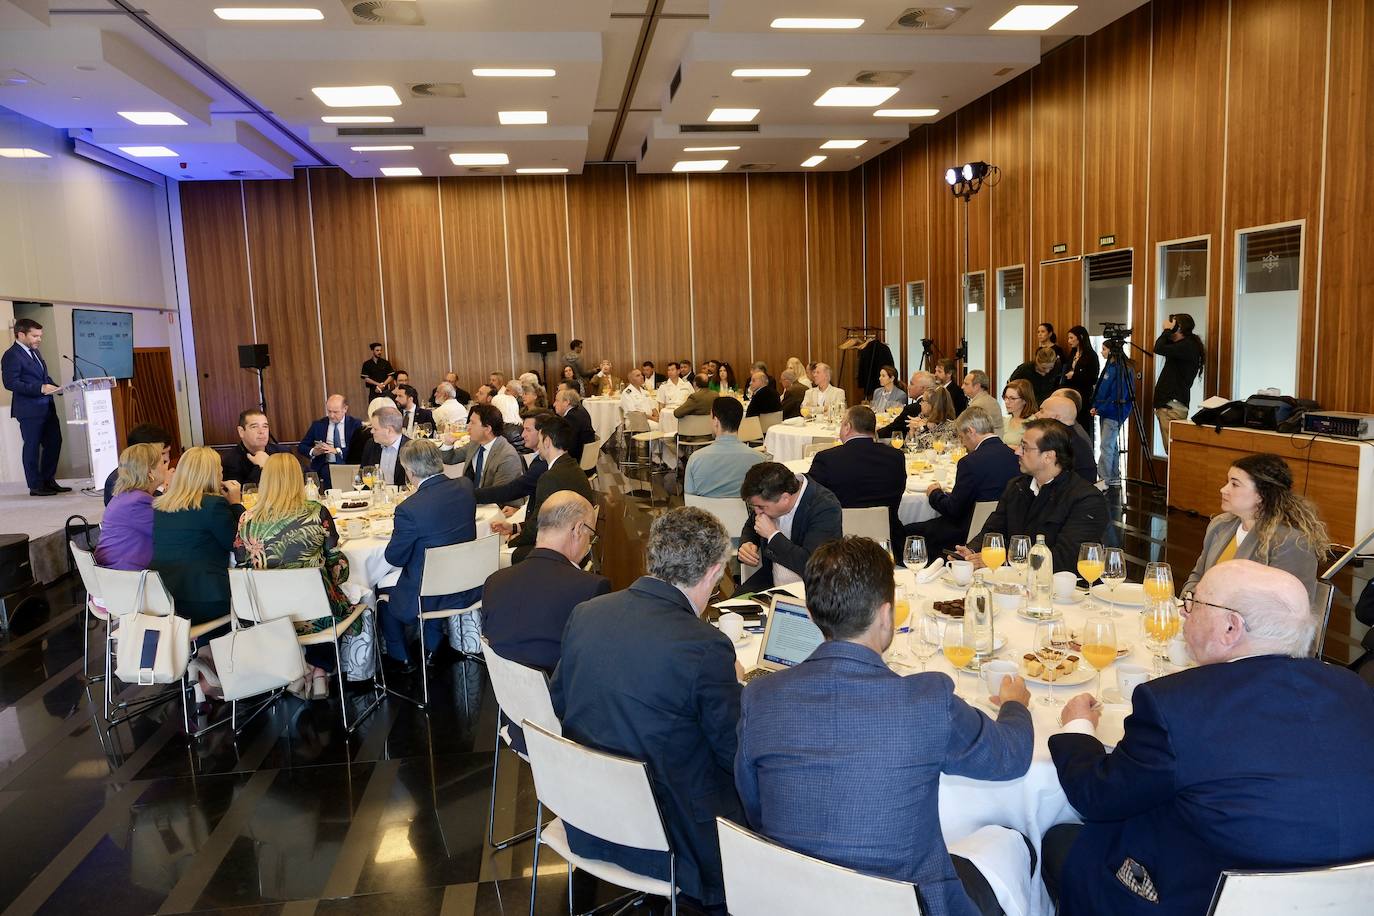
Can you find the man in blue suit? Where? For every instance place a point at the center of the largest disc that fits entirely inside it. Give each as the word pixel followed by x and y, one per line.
pixel 440 512
pixel 26 377
pixel 1259 758
pixel 840 757
pixel 981 475
pixel 326 441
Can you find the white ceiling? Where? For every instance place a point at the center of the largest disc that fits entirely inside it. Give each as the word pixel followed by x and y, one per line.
pixel 244 88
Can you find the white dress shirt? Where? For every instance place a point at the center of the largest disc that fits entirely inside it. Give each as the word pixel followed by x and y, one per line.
pixel 450 412
pixel 336 437
pixel 781 574
pixel 671 394
pixel 831 397
pixel 633 398
pixel 509 407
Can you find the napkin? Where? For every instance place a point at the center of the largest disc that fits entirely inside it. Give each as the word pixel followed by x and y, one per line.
pixel 795 421
pixel 1004 861
pixel 930 572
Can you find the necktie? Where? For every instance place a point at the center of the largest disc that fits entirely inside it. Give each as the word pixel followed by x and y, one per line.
pixel 477 471
pixel 338 445
pixel 34 354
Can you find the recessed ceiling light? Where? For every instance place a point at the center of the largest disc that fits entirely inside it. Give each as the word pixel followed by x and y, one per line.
pixel 402 171
pixel 843 144
pixel 357 119
pixel 757 72
pixel 153 118
pixel 813 162
pixel 1031 17
pixel 479 159
pixel 380 149
pixel 812 22
pixel 357 96
pixel 709 149
pixel 149 152
pixel 700 165
pixel 541 171
pixel 906 112
pixel 22 153
pixel 527 72
pixel 267 14
pixel 735 115
pixel 523 117
pixel 855 96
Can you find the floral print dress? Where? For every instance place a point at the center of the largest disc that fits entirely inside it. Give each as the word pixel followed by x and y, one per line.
pixel 308 540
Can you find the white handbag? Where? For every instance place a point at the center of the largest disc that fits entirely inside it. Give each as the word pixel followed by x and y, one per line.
pixel 260 658
pixel 151 649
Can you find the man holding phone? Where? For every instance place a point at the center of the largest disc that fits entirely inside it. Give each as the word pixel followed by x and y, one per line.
pixel 1183 355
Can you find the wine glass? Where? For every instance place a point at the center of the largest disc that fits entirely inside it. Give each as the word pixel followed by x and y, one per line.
pixel 1113 574
pixel 806 412
pixel 1099 645
pixel 1158 582
pixel 925 637
pixel 369 475
pixel 1090 564
pixel 994 552
pixel 248 495
pixel 897 440
pixel 1019 555
pixel 901 612
pixel 914 553
pixel 1161 623
pixel 958 642
pixel 1051 646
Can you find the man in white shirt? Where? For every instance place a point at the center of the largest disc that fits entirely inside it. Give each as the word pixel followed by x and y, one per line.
pixel 673 390
pixel 448 409
pixel 635 398
pixel 507 400
pixel 824 396
pixel 387 439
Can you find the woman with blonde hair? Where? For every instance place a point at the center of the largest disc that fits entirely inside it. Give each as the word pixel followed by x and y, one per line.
pixel 1019 399
pixel 284 530
pixel 126 530
pixel 799 370
pixel 194 523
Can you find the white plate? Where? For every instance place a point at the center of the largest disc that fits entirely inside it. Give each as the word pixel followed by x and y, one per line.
pixel 946 578
pixel 1128 594
pixel 1076 598
pixel 1081 676
pixel 1029 619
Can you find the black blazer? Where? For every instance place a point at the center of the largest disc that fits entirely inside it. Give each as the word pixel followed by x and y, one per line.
pixel 360 441
pixel 581 422
pixel 522 487
pixel 911 411
pixel 372 454
pixel 441 512
pixel 422 415
pixel 979 476
pixel 563 474
pixel 1068 511
pixel 863 473
pixel 643 676
pixel 818 520
pixel 956 394
pixel 525 609
pixel 1084 463
pixel 792 400
pixel 234 464
pixel 765 400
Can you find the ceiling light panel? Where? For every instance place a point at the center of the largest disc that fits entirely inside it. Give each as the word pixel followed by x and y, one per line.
pixel 148 152
pixel 813 22
pixel 709 149
pixel 358 119
pixel 843 144
pixel 470 159
pixel 813 162
pixel 735 115
pixel 153 118
pixel 746 73
pixel 700 165
pixel 523 117
pixel 403 171
pixel 380 149
pixel 1031 17
pixel 21 153
pixel 906 112
pixel 855 96
pixel 268 14
pixel 357 96
pixel 541 171
pixel 515 72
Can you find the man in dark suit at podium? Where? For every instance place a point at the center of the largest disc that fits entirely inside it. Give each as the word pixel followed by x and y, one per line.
pixel 26 377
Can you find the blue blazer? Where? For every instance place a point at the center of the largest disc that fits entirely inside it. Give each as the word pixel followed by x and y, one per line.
pixel 526 607
pixel 1261 763
pixel 840 758
pixel 979 476
pixel 319 432
pixel 25 380
pixel 441 512
pixel 643 676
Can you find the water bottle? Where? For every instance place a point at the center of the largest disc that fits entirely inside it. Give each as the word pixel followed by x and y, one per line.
pixel 978 610
pixel 1041 579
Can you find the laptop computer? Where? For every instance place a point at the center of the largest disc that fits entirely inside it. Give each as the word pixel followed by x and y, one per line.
pixel 789 637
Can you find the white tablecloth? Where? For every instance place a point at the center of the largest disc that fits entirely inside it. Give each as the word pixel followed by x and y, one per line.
pixel 368 569
pixel 1035 802
pixel 605 414
pixel 915 505
pixel 788 443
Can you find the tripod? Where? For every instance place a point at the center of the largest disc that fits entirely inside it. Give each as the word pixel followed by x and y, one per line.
pixel 1116 356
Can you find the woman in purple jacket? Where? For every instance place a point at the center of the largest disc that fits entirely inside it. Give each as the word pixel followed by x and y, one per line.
pixel 126 531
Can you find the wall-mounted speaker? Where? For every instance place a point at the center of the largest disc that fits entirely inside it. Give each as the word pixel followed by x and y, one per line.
pixel 541 343
pixel 253 356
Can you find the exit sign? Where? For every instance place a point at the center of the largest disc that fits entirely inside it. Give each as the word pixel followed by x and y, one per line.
pixel 1061 248
pixel 1105 240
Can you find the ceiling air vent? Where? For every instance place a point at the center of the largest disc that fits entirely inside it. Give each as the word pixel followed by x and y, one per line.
pixel 494 169
pixel 676 82
pixel 756 166
pixel 879 77
pixel 927 18
pixel 381 131
pixel 718 128
pixel 384 12
pixel 248 173
pixel 438 91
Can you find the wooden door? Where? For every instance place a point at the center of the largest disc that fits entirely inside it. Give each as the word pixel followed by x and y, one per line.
pixel 150 396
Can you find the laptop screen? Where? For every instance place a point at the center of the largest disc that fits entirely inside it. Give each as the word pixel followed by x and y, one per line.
pixel 792 637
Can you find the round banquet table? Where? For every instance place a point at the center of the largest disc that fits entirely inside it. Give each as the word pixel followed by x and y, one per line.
pixel 605 412
pixel 1034 802
pixel 915 505
pixel 788 442
pixel 368 569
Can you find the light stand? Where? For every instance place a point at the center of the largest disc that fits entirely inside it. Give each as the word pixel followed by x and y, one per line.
pixel 964 182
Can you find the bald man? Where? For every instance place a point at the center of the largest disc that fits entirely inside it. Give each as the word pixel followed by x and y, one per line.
pixel 916 388
pixel 327 439
pixel 1258 758
pixel 1057 407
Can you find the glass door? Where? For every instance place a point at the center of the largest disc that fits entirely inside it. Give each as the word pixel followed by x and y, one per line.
pixel 976 321
pixel 1180 288
pixel 1268 306
pixel 1011 323
pixel 915 325
pixel 892 321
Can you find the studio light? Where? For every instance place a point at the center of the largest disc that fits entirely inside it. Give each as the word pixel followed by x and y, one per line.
pixel 975 170
pixel 951 177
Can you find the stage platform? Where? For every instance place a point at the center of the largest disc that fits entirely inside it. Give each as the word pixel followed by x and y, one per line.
pixel 43 519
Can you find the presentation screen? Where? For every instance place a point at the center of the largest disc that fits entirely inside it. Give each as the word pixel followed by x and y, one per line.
pixel 104 340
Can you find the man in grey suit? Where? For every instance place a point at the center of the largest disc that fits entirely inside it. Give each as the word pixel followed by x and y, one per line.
pixel 491 459
pixel 840 757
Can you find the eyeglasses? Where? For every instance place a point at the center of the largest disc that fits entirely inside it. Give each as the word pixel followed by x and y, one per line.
pixel 1189 601
pixel 1012 397
pixel 592 536
pixel 1029 448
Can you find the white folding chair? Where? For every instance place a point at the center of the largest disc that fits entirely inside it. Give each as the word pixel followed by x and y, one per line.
pixel 590 452
pixel 1321 614
pixel 750 430
pixel 1340 890
pixel 809 451
pixel 454 471
pixel 981 511
pixel 873 523
pixel 522 693
pixel 603 795
pixel 768 420
pixel 341 476
pixel 693 432
pixel 85 566
pixel 730 511
pixel 763 878
pixel 260 595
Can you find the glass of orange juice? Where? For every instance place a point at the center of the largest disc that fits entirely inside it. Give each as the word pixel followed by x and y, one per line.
pixel 1090 563
pixel 958 642
pixel 1161 623
pixel 898 441
pixel 901 613
pixel 994 552
pixel 939 446
pixel 1099 645
pixel 1159 581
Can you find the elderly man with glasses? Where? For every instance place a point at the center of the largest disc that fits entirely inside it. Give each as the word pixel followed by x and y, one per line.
pixel 1258 758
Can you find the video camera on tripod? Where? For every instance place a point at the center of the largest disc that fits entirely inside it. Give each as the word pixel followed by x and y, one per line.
pixel 1114 336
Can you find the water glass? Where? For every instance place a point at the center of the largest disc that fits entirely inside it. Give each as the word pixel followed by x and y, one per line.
pixel 914 553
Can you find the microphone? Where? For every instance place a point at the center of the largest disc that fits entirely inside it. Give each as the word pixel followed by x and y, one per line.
pixel 92 362
pixel 75 367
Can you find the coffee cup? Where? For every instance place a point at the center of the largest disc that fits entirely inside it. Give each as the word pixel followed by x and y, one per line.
pixel 962 571
pixel 994 671
pixel 1007 597
pixel 732 625
pixel 1064 583
pixel 1129 677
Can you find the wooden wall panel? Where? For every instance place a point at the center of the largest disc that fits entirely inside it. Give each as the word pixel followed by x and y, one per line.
pixel 835 234
pixel 1116 132
pixel 417 326
pixel 777 250
pixel 536 232
pixel 720 268
pixel 1057 153
pixel 1061 295
pixel 891 219
pixel 662 282
pixel 975 145
pixel 284 302
pixel 944 317
pixel 918 185
pixel 1010 199
pixel 599 234
pixel 475 257
pixel 221 317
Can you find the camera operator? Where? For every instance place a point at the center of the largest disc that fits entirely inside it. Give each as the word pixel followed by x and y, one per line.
pixel 1183 354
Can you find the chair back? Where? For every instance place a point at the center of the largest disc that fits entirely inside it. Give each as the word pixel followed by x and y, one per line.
pixel 85 566
pixel 809 451
pixel 730 511
pixel 697 426
pixel 341 476
pixel 460 567
pixel 590 452
pixel 1321 613
pixel 522 692
pixel 750 430
pixel 120 588
pixel 768 420
pixel 872 523
pixel 763 878
pixel 454 471
pixel 981 511
pixel 636 422
pixel 260 595
pixel 1341 890
pixel 599 793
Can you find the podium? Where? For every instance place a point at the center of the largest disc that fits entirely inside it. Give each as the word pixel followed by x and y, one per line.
pixel 95 411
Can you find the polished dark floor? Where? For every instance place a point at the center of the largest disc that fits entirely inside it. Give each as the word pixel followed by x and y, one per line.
pixel 293 816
